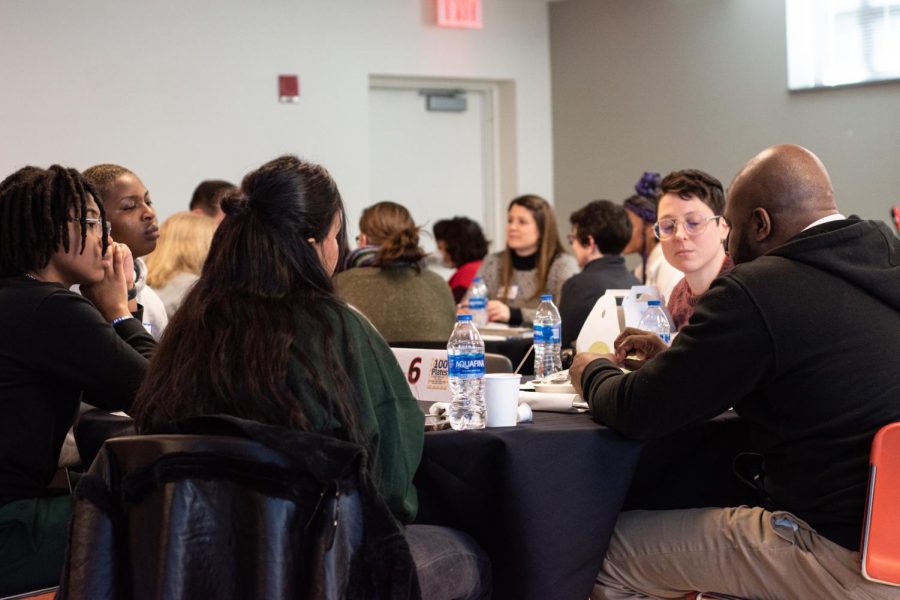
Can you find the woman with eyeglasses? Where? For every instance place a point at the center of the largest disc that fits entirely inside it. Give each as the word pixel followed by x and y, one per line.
pixel 654 269
pixel 56 348
pixel 692 233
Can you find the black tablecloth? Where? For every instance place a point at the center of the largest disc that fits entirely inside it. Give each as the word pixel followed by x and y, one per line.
pixel 541 498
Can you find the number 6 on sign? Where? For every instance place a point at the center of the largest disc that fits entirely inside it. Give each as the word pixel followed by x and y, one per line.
pixel 433 365
pixel 412 376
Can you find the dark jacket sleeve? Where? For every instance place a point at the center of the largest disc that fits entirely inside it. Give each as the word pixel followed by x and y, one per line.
pixel 720 357
pixel 75 343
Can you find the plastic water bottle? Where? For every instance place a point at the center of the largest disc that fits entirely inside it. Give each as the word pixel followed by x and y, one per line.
pixel 655 320
pixel 477 302
pixel 547 359
pixel 465 351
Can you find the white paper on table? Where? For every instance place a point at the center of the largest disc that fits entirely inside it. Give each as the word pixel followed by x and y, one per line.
pixel 615 310
pixel 553 402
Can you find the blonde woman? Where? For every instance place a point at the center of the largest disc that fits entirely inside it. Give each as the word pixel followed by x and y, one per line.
pixel 176 264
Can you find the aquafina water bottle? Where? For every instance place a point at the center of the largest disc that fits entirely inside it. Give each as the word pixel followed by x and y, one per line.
pixel 465 351
pixel 476 299
pixel 547 359
pixel 655 321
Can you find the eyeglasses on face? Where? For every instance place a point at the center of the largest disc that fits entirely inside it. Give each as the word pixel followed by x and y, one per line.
pixel 666 228
pixel 93 225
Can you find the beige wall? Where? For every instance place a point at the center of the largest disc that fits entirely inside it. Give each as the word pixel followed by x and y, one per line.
pixel 670 84
pixel 182 90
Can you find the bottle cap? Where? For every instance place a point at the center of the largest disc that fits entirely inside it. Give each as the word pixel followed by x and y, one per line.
pixel 463 317
pixel 546 297
pixel 476 279
pixel 653 303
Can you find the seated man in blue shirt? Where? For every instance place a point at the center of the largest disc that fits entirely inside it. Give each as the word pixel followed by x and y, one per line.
pixel 796 338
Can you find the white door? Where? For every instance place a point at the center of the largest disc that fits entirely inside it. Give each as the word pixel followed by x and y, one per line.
pixel 436 164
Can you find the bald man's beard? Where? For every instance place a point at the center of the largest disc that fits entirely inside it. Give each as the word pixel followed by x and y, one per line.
pixel 740 249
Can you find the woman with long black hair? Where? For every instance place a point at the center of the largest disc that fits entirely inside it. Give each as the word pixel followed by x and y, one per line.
pixel 262 336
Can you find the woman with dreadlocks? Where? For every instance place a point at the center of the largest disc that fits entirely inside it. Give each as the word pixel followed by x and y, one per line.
pixel 654 269
pixel 56 348
pixel 262 336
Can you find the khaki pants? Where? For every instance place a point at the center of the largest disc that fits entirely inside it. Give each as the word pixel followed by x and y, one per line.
pixel 744 552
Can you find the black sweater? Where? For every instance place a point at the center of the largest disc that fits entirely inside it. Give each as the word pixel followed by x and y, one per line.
pixel 803 343
pixel 54 345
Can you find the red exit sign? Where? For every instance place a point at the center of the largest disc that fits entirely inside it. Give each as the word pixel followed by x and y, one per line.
pixel 459 13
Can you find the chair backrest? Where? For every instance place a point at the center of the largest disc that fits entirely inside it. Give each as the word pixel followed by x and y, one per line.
pixel 497 363
pixel 880 552
pixel 191 516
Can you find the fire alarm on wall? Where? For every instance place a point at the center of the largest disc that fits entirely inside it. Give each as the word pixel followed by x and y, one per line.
pixel 288 88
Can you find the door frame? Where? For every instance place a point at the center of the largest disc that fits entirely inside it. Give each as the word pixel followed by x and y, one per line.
pixel 498 135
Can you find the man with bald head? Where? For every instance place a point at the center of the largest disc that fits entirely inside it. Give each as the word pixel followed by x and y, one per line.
pixel 797 339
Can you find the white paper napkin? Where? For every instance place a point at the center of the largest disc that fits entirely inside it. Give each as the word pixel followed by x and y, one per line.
pixel 553 402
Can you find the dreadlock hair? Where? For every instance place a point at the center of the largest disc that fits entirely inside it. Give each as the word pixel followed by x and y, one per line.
pixel 263 299
pixel 35 207
pixel 104 175
pixel 549 246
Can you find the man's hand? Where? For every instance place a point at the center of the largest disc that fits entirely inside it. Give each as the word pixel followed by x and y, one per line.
pixel 497 311
pixel 640 345
pixel 582 360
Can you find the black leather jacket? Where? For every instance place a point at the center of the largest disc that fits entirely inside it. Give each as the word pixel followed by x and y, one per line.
pixel 226 508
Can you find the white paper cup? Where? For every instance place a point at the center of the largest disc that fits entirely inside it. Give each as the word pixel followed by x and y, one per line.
pixel 501 398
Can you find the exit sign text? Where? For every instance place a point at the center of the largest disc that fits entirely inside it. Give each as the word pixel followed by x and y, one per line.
pixel 459 13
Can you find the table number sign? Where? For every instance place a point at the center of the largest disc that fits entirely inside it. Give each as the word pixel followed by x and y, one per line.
pixel 426 373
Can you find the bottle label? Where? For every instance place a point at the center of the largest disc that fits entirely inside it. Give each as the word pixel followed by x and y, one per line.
pixel 477 302
pixel 546 334
pixel 666 337
pixel 466 366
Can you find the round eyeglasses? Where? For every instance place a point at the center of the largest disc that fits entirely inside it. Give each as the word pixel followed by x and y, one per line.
pixel 666 228
pixel 93 225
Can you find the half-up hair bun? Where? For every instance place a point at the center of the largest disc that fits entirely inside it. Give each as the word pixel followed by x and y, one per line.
pixel 235 203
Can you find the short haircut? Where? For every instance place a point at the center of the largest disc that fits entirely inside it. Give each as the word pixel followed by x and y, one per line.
pixel 103 176
pixel 208 195
pixel 604 221
pixel 697 184
pixel 35 207
pixel 462 238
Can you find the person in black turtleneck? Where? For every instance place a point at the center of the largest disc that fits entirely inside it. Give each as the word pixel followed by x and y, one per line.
pixel 534 262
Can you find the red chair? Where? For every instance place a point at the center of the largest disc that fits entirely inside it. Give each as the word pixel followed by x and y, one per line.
pixel 880 554
pixel 45 594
